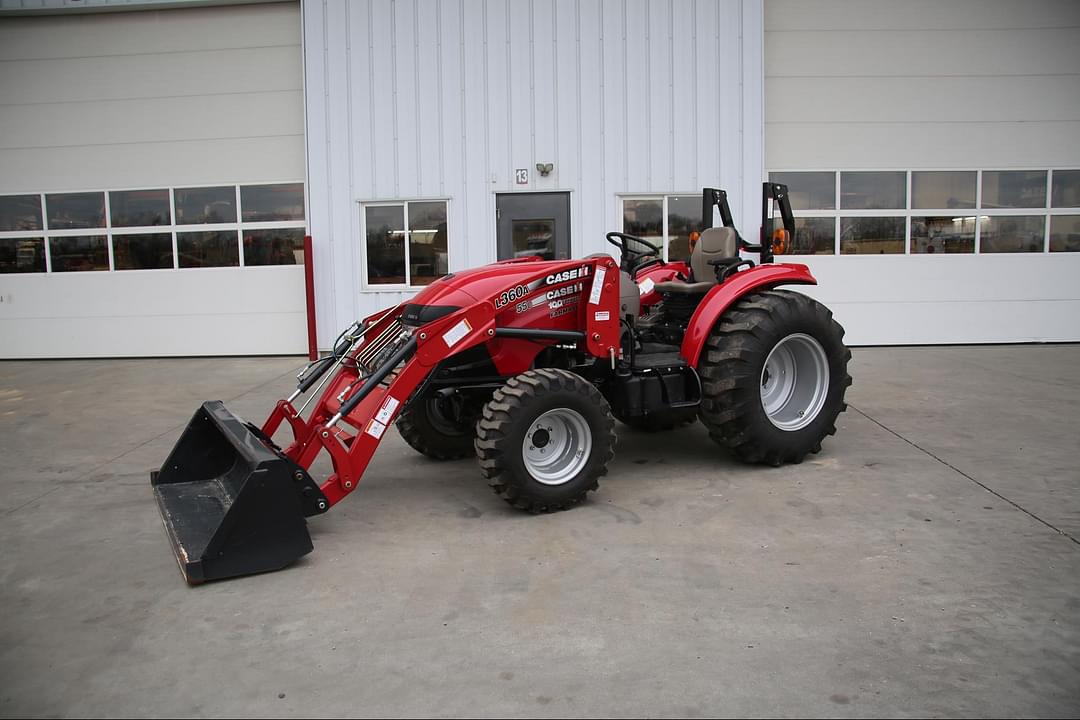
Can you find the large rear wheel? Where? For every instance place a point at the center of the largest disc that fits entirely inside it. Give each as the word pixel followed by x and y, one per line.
pixel 544 440
pixel 774 374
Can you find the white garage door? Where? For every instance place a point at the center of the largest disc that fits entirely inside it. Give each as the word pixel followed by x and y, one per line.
pixel 151 183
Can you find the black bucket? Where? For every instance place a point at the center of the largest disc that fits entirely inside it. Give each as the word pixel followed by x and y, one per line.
pixel 232 503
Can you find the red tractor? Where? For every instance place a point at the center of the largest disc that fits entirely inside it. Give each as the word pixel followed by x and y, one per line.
pixel 525 363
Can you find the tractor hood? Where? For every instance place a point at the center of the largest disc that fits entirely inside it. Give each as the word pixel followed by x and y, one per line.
pixel 465 287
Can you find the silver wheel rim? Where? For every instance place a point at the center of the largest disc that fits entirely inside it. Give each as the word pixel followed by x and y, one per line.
pixel 794 382
pixel 556 446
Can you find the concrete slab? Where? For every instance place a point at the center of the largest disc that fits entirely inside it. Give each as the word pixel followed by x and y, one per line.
pixel 872 580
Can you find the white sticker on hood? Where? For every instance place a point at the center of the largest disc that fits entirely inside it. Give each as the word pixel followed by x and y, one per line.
pixel 597 286
pixel 646 287
pixel 453 336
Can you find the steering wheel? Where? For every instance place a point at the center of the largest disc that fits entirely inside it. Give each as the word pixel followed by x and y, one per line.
pixel 632 258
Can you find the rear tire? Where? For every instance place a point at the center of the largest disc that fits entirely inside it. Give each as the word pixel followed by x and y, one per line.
pixel 774 374
pixel 661 420
pixel 425 427
pixel 544 439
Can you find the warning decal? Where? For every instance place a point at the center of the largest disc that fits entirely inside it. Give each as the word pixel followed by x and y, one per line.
pixel 453 336
pixel 375 429
pixel 387 410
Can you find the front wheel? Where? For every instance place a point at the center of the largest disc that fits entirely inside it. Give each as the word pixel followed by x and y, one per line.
pixel 544 439
pixel 774 374
pixel 433 428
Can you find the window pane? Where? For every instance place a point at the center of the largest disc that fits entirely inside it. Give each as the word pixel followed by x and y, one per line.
pixel 269 203
pixel 20 212
pixel 533 237
pixel 1065 233
pixel 385 244
pixel 808 190
pixel 949 234
pixel 943 189
pixel 1066 190
pixel 428 256
pixel 1014 188
pixel 684 216
pixel 205 205
pixel 645 218
pixel 872 235
pixel 1018 233
pixel 142 252
pixel 22 255
pixel 73 254
pixel 208 249
pixel 76 210
pixel 813 236
pixel 280 246
pixel 132 208
pixel 873 190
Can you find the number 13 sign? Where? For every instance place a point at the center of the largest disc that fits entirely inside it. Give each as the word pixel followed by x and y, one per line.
pixel 521 176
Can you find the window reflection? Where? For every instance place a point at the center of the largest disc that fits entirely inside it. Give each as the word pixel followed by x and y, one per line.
pixel 873 190
pixel 1011 233
pixel 270 203
pixel 385 244
pixel 143 252
pixel 808 190
pixel 1013 189
pixel 428 256
pixel 943 189
pixel 22 255
pixel 79 253
pixel 813 236
pixel 1066 191
pixel 134 208
pixel 76 210
pixel 1065 233
pixel 20 212
pixel 533 237
pixel 948 234
pixel 872 235
pixel 195 206
pixel 645 219
pixel 280 246
pixel 208 249
pixel 684 216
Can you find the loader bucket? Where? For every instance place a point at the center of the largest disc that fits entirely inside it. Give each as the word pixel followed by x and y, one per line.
pixel 231 502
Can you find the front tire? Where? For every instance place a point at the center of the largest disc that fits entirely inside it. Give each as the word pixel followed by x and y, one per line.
pixel 544 440
pixel 774 374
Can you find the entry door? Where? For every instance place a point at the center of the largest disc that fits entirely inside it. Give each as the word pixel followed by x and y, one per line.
pixel 533 224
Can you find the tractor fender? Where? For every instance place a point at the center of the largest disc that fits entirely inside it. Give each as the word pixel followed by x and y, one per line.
pixel 720 298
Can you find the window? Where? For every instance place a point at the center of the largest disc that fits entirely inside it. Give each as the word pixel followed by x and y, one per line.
pixel 154 229
pixel 76 253
pixel 873 190
pixel 934 212
pixel 270 203
pixel 147 251
pixel 198 206
pixel 872 235
pixel 20 213
pixel 664 220
pixel 1011 233
pixel 22 255
pixel 405 243
pixel 277 246
pixel 1065 233
pixel 132 208
pixel 76 210
pixel 945 190
pixel 1013 189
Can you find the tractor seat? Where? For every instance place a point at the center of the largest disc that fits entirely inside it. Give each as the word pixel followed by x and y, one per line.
pixel 718 243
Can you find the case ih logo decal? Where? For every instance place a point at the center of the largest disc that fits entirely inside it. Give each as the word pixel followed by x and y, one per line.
pixel 578 272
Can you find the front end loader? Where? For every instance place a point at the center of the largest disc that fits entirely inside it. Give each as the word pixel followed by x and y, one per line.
pixel 525 363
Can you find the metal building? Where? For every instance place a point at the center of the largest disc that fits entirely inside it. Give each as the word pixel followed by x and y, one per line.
pixel 159 160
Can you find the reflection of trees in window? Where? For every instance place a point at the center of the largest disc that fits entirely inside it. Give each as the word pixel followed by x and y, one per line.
pixel 22 255
pixel 20 212
pixel 872 235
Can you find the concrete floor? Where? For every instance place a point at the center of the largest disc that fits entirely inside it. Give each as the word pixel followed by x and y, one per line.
pixel 926 563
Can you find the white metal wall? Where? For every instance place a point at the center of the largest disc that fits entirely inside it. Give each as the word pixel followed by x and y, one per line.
pixel 445 99
pixel 145 100
pixel 927 85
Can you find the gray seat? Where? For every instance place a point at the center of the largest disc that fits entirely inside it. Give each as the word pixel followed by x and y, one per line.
pixel 714 244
